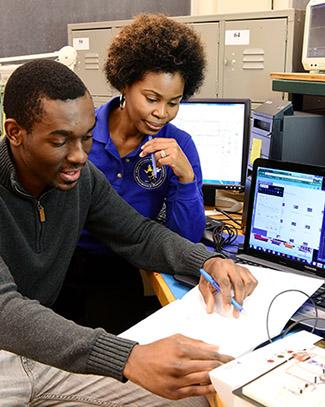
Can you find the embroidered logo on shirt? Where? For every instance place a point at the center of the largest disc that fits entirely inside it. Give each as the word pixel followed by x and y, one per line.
pixel 144 176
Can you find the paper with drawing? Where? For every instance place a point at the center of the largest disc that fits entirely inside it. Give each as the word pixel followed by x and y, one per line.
pixel 234 336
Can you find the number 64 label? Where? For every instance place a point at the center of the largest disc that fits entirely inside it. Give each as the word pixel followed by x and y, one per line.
pixel 237 37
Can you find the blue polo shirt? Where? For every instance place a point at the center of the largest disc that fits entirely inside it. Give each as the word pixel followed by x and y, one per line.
pixel 132 177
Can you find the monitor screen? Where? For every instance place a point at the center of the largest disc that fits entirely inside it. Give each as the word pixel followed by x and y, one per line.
pixel 313 54
pixel 316 42
pixel 220 131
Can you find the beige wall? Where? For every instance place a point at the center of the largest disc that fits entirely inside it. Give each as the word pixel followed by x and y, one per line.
pixel 239 6
pixel 204 7
pixel 282 4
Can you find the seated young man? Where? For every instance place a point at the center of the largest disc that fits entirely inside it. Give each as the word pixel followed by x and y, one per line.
pixel 48 193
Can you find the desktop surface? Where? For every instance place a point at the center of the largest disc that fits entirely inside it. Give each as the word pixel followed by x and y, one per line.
pixel 177 289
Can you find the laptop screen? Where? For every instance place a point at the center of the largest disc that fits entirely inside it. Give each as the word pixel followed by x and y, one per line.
pixel 286 214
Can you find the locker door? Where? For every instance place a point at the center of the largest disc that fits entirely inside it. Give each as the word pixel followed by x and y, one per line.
pixel 92 47
pixel 253 49
pixel 209 33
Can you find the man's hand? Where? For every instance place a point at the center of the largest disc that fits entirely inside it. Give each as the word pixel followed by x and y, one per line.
pixel 234 281
pixel 174 367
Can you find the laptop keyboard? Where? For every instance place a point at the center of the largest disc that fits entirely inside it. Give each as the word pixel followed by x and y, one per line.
pixel 319 296
pixel 249 263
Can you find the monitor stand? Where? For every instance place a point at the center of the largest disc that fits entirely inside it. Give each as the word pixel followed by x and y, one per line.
pixel 227 200
pixel 227 204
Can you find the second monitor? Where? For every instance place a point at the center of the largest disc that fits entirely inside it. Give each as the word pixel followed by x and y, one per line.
pixel 220 131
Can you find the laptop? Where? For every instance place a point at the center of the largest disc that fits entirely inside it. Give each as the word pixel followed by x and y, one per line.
pixel 285 226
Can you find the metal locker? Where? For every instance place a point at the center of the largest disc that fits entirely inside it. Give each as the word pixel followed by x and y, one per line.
pixel 242 51
pixel 252 50
pixel 91 47
pixel 209 33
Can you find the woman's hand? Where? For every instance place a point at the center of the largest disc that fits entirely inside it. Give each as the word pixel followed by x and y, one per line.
pixel 168 152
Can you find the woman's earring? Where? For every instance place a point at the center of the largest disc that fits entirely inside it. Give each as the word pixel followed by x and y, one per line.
pixel 122 102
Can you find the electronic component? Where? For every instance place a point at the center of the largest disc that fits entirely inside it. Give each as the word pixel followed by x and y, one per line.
pixel 298 382
pixel 233 376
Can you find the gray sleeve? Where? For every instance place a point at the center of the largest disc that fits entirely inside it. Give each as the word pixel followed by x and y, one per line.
pixel 32 330
pixel 143 242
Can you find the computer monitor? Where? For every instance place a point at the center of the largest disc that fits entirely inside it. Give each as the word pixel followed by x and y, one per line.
pixel 220 131
pixel 313 52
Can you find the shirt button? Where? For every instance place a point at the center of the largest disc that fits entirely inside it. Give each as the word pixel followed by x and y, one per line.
pixel 127 160
pixel 119 175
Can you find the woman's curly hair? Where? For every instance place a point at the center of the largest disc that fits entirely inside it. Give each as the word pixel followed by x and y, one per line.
pixel 156 43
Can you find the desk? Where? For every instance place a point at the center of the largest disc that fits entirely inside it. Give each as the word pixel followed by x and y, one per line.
pixel 161 284
pixel 303 83
pixel 298 85
pixel 164 285
pixel 167 289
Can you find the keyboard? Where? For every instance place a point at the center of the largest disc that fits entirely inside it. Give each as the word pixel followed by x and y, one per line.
pixel 319 296
pixel 249 262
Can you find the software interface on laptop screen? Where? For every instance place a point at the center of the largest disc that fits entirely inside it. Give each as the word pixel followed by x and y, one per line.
pixel 288 216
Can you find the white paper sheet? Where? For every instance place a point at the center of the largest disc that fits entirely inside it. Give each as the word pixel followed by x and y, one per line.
pixel 188 316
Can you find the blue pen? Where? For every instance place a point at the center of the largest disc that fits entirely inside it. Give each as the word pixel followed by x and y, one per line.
pixel 153 161
pixel 210 280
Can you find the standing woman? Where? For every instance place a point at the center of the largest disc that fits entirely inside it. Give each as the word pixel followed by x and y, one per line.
pixel 155 62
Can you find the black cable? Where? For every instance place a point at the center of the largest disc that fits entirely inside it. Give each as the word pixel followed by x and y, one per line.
pixel 224 235
pixel 228 216
pixel 283 292
pixel 224 220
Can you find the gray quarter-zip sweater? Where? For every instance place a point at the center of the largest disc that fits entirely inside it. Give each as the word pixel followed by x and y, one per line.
pixel 37 240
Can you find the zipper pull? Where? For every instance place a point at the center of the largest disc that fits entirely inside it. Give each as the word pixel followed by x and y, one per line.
pixel 41 212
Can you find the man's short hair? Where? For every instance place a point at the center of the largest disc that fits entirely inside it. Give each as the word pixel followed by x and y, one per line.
pixel 35 80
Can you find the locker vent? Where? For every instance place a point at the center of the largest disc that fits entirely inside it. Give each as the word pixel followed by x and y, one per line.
pixel 253 58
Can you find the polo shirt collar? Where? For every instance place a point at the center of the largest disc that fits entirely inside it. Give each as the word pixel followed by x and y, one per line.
pixel 101 130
